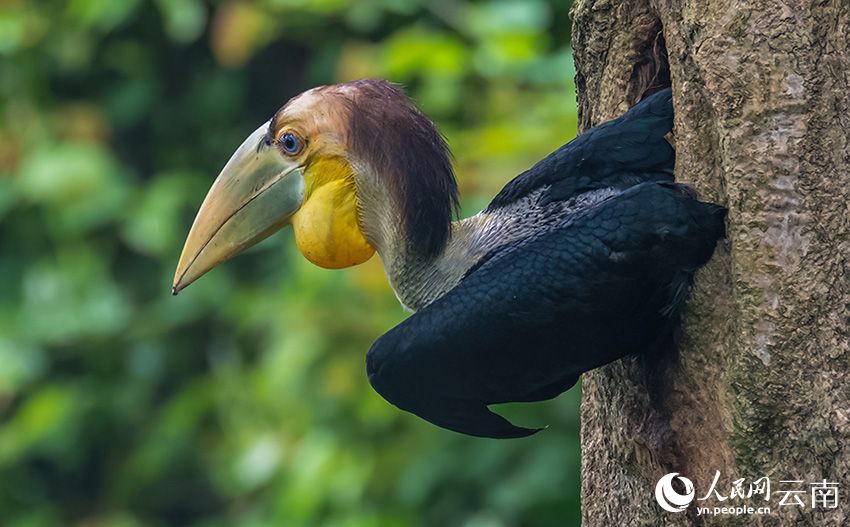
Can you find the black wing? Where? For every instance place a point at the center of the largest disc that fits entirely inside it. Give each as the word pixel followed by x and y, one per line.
pixel 619 153
pixel 529 321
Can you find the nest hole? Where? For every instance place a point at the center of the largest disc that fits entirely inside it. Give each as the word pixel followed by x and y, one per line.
pixel 651 68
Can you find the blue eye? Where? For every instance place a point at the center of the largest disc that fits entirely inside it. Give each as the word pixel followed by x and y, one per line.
pixel 290 143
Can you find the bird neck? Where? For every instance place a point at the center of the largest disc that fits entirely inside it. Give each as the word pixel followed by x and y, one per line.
pixel 418 280
pixel 417 276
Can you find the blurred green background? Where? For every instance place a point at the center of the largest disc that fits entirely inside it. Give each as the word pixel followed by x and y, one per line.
pixel 244 400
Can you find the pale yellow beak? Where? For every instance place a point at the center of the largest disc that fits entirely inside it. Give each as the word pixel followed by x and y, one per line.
pixel 255 195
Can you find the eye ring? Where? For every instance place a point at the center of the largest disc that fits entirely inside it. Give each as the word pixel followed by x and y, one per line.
pixel 290 143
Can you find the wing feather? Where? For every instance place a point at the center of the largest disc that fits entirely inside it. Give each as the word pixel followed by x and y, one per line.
pixel 524 325
pixel 619 153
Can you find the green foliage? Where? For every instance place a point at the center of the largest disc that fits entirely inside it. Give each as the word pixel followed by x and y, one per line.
pixel 243 401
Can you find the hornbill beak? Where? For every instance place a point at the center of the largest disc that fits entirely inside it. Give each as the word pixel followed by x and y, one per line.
pixel 255 195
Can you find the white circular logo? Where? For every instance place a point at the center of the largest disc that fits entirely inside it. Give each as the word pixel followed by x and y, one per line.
pixel 668 498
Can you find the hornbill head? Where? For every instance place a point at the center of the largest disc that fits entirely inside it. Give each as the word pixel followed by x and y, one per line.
pixel 353 168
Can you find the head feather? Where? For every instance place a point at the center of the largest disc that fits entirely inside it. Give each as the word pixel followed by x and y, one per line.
pixel 405 149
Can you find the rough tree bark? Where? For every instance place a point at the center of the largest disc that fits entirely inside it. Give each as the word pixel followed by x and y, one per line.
pixel 760 384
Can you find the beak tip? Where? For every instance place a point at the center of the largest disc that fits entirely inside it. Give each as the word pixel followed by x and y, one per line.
pixel 178 285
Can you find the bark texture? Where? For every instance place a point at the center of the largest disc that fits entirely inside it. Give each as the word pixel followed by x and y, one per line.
pixel 760 384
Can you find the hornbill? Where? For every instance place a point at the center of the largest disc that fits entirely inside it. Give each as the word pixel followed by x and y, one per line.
pixel 584 258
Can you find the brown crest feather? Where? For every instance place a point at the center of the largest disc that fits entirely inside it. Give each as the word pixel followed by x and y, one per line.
pixel 405 148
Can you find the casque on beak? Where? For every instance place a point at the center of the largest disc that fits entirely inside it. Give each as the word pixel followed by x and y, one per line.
pixel 255 195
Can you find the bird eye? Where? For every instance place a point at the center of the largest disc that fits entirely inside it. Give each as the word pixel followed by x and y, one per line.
pixel 290 143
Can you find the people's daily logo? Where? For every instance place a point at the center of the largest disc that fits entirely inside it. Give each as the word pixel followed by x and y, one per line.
pixel 742 496
pixel 669 498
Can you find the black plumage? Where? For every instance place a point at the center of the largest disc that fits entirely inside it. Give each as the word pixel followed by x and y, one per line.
pixel 618 153
pixel 604 282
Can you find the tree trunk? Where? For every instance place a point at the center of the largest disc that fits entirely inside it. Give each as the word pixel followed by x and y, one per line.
pixel 760 382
